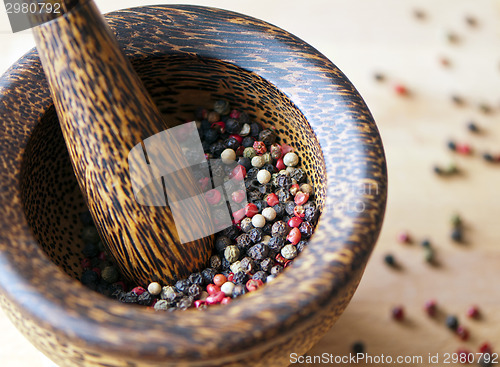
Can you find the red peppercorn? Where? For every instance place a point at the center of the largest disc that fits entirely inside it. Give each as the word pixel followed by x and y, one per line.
pixel 295 222
pixel 102 256
pixel 198 303
pixel 234 114
pixel 398 313
pixel 462 332
pixel 287 263
pixel 215 298
pixel 251 209
pixel 294 189
pixel 219 279
pixel 239 138
pixel 138 290
pixel 280 165
pixel 473 312
pixel 239 215
pixel 254 284
pixel 404 237
pixel 86 263
pixel 226 300
pixel 280 259
pixel 301 198
pixel 401 90
pixel 299 211
pixel 212 289
pixel 431 308
pixel 240 150
pixel 230 277
pixel 485 348
pixel 260 147
pixel 464 149
pixel 220 125
pixel 238 196
pixel 294 236
pixel 213 196
pixel 272 199
pixel 285 148
pixel 239 172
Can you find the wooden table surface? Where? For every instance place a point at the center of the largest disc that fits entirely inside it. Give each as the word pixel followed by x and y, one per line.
pixel 364 38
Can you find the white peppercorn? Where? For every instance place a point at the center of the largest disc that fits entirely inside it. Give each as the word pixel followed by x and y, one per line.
pixel 154 288
pixel 258 161
pixel 291 159
pixel 232 253
pixel 228 156
pixel 166 291
pixel 258 221
pixel 235 267
pixel 227 288
pixel 263 176
pixel 269 213
pixel 306 188
pixel 289 252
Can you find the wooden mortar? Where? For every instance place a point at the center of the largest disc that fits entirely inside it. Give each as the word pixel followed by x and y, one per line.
pixel 189 56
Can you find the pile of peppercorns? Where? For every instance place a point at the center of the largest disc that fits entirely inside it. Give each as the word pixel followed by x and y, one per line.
pixel 267 233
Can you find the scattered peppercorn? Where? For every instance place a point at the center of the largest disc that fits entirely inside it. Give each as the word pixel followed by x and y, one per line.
pixel 358 347
pixel 398 313
pixel 473 312
pixel 431 308
pixel 452 322
pixel 389 260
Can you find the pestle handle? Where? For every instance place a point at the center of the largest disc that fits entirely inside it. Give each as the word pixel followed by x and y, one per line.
pixel 104 112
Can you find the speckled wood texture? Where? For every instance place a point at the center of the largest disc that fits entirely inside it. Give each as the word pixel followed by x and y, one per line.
pixel 189 56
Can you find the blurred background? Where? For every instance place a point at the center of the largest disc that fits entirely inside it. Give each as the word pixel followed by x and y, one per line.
pixel 427 70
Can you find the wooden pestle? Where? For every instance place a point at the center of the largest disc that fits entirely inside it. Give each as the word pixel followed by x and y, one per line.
pixel 104 111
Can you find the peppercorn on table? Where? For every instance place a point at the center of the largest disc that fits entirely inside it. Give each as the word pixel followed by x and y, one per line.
pixel 430 73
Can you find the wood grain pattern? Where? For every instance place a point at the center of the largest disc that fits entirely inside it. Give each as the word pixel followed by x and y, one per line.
pixel 186 56
pixel 104 112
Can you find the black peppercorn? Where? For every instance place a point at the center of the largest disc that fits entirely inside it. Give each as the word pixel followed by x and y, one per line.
pixel 208 275
pixel 240 278
pixel 289 207
pixel 215 262
pixel 306 229
pixel 299 175
pixel 258 251
pixel 276 243
pixel 248 141
pixel 247 265
pixel 255 235
pixel 239 290
pixel 267 136
pixel 232 143
pixel 280 229
pixel 182 285
pixel 311 214
pixel 104 288
pixel 184 303
pixel 243 241
pixel 358 347
pixel 252 173
pixel 267 229
pixel 196 278
pixel 260 275
pixel 283 195
pixel 245 162
pixel 279 209
pixel 301 245
pixel 90 234
pixel 260 204
pixel 91 250
pixel 233 126
pixel 451 322
pixel 231 232
pixel 195 290
pixel 284 182
pixel 89 278
pixel 389 260
pixel 267 264
pixel 129 297
pixel 221 243
pixel 216 149
pixel 255 129
pixel 211 136
pixel 269 167
pixel 145 299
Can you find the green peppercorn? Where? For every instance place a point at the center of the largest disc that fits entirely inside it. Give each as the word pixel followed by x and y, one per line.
pixel 222 107
pixel 110 274
pixel 232 253
pixel 249 152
